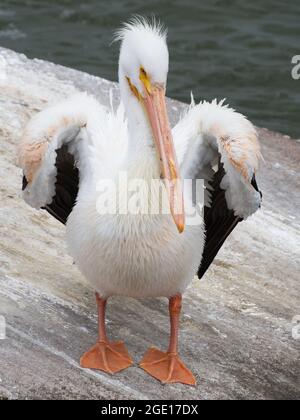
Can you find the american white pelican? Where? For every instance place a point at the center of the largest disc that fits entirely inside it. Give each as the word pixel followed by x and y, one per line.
pixel 68 148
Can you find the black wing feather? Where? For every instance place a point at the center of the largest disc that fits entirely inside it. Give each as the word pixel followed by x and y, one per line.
pixel 66 187
pixel 219 221
pixel 24 183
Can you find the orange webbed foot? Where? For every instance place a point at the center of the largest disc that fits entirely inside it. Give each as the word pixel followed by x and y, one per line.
pixel 108 357
pixel 167 367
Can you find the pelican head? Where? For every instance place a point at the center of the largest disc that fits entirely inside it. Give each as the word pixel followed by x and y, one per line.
pixel 143 71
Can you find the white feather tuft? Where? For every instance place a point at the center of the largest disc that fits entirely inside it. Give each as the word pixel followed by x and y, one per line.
pixel 193 103
pixel 138 25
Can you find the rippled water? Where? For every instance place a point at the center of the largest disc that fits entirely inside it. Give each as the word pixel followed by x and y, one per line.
pixel 238 49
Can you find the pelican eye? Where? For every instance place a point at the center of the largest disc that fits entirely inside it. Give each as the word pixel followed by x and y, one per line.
pixel 144 78
pixel 143 71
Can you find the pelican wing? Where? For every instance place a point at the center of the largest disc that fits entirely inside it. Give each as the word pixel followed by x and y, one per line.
pixel 219 145
pixel 56 154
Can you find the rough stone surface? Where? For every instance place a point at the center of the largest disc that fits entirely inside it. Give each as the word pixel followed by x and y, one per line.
pixel 236 332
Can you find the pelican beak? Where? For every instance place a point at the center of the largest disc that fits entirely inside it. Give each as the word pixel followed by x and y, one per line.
pixel 154 101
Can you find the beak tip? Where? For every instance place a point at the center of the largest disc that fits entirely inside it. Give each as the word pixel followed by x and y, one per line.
pixel 179 220
pixel 180 229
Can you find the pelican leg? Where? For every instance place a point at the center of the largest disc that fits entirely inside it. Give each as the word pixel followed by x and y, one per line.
pixel 167 367
pixel 106 356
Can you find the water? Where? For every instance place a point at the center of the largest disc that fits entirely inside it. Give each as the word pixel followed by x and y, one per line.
pixel 238 49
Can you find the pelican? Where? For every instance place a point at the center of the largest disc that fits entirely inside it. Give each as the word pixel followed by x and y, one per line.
pixel 72 152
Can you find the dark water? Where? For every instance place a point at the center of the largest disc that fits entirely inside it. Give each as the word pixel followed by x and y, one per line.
pixel 238 49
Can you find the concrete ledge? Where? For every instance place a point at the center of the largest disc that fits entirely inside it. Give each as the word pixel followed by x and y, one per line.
pixel 237 324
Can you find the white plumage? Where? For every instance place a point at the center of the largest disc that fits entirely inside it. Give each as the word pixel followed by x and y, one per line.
pixel 140 255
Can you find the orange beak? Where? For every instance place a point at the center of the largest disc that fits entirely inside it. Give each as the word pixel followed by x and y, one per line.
pixel 156 108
